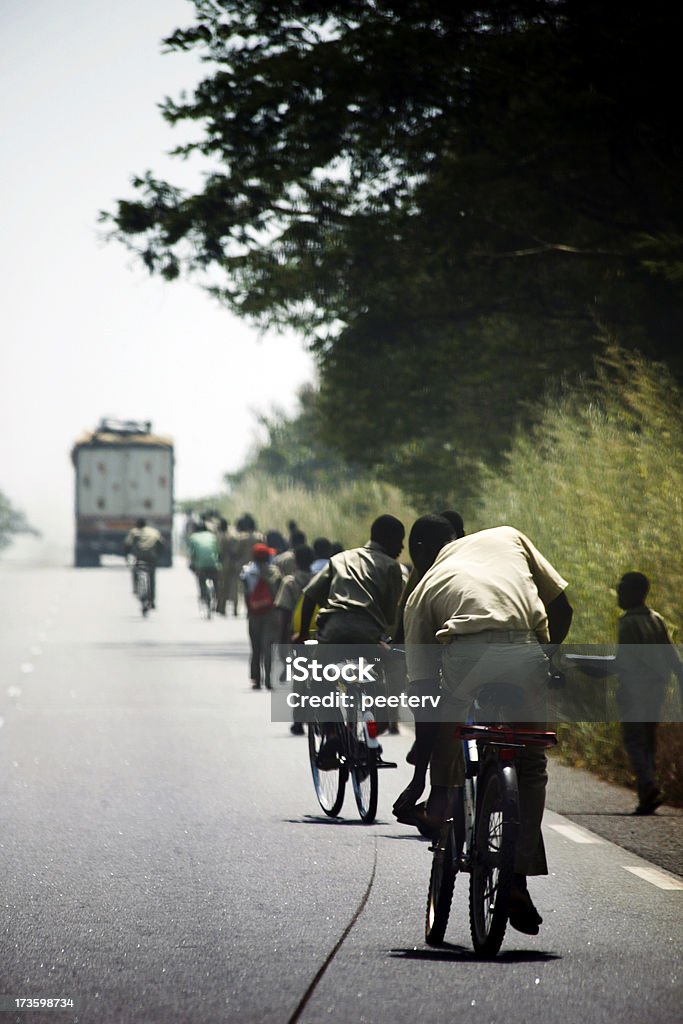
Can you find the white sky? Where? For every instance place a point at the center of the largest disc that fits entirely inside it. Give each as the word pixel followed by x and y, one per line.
pixel 86 332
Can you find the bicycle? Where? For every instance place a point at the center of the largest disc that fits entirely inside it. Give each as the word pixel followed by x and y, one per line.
pixel 207 592
pixel 480 837
pixel 143 586
pixel 358 754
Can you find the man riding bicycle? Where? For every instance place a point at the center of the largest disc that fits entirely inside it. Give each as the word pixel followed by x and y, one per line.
pixel 145 544
pixel 203 556
pixel 479 615
pixel 358 593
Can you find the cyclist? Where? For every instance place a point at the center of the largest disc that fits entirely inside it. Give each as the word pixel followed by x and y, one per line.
pixel 203 557
pixel 479 615
pixel 145 544
pixel 358 593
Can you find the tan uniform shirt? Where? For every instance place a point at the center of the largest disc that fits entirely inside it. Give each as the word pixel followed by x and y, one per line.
pixel 291 589
pixel 143 541
pixel 363 579
pixel 286 562
pixel 495 579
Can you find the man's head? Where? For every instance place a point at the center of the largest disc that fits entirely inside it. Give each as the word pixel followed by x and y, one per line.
pixel 388 532
pixel 303 555
pixel 322 547
pixel 297 538
pixel 247 523
pixel 632 589
pixel 140 523
pixel 455 519
pixel 261 552
pixel 428 535
pixel 222 524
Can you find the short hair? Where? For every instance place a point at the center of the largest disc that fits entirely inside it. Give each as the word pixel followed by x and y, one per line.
pixel 455 519
pixel 322 547
pixel 223 523
pixel 428 535
pixel 303 555
pixel 297 538
pixel 140 523
pixel 634 586
pixel 387 530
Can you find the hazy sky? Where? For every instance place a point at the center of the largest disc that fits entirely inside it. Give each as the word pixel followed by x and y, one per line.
pixel 86 332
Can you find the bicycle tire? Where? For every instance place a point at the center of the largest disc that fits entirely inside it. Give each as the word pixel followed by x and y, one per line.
pixel 364 775
pixel 441 885
pixel 329 785
pixel 143 590
pixel 493 857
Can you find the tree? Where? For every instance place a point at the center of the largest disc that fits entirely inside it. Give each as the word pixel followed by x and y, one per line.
pixel 290 450
pixel 453 202
pixel 12 521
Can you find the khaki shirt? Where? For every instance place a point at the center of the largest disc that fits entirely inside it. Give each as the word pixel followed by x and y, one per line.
pixel 291 589
pixel 286 562
pixel 145 542
pixel 492 580
pixel 363 579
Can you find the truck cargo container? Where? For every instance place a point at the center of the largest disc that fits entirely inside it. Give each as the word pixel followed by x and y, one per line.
pixel 124 472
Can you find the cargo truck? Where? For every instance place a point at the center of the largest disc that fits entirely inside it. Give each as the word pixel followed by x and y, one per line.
pixel 124 472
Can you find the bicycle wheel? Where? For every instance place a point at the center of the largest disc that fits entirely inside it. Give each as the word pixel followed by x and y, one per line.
pixel 442 880
pixel 363 772
pixel 329 785
pixel 143 588
pixel 209 597
pixel 493 857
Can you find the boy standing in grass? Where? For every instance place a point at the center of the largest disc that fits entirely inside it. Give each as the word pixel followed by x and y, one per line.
pixel 644 676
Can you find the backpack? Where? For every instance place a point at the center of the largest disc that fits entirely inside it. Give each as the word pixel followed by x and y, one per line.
pixel 260 599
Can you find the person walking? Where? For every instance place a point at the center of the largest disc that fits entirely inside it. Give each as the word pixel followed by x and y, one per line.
pixel 261 581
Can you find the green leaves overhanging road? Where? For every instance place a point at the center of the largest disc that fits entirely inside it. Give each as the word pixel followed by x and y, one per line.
pixel 455 203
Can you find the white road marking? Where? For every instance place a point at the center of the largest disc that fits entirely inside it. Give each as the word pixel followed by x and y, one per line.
pixel 26 667
pixel 662 879
pixel 576 834
pixel 14 691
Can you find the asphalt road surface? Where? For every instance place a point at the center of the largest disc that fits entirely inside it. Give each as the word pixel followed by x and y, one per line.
pixel 163 857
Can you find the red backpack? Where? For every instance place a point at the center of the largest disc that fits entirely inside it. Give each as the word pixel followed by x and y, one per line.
pixel 260 600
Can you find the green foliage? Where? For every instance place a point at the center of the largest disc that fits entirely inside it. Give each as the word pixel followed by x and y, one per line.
pixel 341 513
pixel 447 199
pixel 12 521
pixel 598 486
pixel 291 451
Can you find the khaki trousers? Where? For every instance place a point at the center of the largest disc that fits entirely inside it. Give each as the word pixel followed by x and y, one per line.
pixel 468 663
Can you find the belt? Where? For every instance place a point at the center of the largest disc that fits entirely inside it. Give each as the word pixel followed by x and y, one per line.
pixel 496 636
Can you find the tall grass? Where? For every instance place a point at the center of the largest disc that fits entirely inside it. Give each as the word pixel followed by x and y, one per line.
pixel 342 514
pixel 598 487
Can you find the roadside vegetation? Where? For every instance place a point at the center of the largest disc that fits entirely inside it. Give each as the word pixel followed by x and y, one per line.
pixel 12 522
pixel 597 485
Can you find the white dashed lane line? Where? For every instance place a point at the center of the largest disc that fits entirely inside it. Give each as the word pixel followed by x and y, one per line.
pixel 662 879
pixel 577 835
pixel 654 876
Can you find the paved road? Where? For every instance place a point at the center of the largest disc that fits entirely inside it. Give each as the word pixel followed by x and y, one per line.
pixel 163 858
